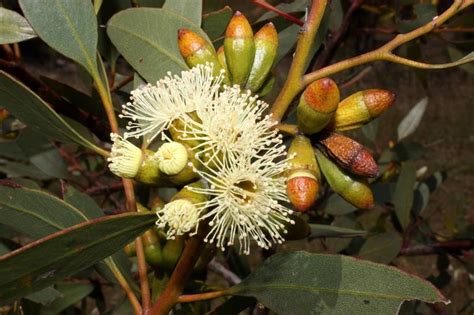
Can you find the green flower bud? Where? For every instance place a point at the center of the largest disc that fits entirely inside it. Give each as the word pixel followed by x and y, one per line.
pixel 266 45
pixel 360 108
pixel 267 86
pixel 171 252
pixel 355 191
pixel 239 48
pixel 317 105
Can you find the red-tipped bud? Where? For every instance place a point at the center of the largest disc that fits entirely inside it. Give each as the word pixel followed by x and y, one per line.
pixel 302 191
pixel 350 154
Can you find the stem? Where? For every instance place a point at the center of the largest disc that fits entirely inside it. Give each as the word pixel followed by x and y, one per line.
pixel 201 296
pixel 124 284
pixel 181 273
pixel 288 129
pixel 294 83
pixel 129 195
pixel 264 4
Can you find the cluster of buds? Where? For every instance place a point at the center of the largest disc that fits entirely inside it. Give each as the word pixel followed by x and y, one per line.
pixel 345 163
pixel 246 58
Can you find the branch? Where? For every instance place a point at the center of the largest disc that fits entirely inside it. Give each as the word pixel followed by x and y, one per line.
pixel 221 270
pixel 453 247
pixel 201 296
pixel 294 84
pixel 264 4
pixel 335 40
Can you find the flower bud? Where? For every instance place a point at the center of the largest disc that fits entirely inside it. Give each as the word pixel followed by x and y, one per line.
pixel 171 252
pixel 196 50
pixel 149 172
pixel 350 154
pixel 355 191
pixel 296 229
pixel 267 86
pixel 172 157
pixel 151 243
pixel 266 45
pixel 302 186
pixel 360 108
pixel 317 105
pixel 221 58
pixel 239 48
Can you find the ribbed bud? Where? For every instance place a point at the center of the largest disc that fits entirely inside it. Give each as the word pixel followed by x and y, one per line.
pixel 317 105
pixel 360 108
pixel 172 157
pixel 149 173
pixel 350 154
pixel 353 190
pixel 196 50
pixel 239 48
pixel 302 186
pixel 266 45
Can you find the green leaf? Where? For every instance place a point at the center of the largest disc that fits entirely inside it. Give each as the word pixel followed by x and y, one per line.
pixel 51 163
pixel 382 248
pixel 215 23
pixel 44 296
pixel 13 27
pixel 33 111
pixel 189 9
pixel 411 121
pixel 148 39
pixel 68 27
pixel 67 252
pixel 18 169
pixel 321 230
pixel 424 13
pixel 295 6
pixel 337 244
pixel 304 283
pixel 286 39
pixel 456 54
pixel 71 293
pixel 338 206
pixel 403 196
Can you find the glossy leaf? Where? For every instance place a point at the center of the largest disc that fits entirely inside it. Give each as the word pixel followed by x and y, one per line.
pixel 304 283
pixel 382 248
pixel 66 252
pixel 321 230
pixel 411 121
pixel 403 195
pixel 189 9
pixel 33 111
pixel 148 39
pixel 68 27
pixel 14 28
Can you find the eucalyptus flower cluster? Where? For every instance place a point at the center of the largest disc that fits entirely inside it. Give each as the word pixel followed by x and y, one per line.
pixel 216 134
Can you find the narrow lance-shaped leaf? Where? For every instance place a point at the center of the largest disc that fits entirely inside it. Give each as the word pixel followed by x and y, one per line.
pixel 403 196
pixel 67 252
pixel 14 28
pixel 303 283
pixel 33 111
pixel 411 121
pixel 69 27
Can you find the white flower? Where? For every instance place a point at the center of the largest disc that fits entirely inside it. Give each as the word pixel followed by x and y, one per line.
pixel 244 200
pixel 125 158
pixel 172 157
pixel 155 107
pixel 179 217
pixel 233 124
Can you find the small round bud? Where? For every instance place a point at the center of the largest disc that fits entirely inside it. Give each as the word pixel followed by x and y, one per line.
pixel 172 158
pixel 125 158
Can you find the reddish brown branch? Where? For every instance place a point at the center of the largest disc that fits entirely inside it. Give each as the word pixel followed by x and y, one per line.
pixel 336 38
pixel 267 6
pixel 97 190
pixel 453 247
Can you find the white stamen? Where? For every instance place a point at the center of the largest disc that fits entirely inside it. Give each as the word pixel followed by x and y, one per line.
pixel 125 158
pixel 178 217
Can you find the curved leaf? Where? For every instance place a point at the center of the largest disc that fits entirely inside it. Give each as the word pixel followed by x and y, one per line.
pixel 33 111
pixel 66 252
pixel 13 27
pixel 148 39
pixel 303 283
pixel 411 121
pixel 69 27
pixel 382 248
pixel 190 9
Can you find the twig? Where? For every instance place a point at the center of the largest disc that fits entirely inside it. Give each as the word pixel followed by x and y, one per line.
pixel 201 296
pixel 97 190
pixel 455 246
pixel 359 76
pixel 437 30
pixel 335 40
pixel 221 270
pixel 17 52
pixel 264 4
pixel 8 52
pixel 288 129
pixel 294 83
pixel 122 83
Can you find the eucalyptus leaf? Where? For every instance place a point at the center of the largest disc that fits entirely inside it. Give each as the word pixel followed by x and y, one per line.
pixel 33 111
pixel 67 252
pixel 320 230
pixel 411 121
pixel 69 27
pixel 215 23
pixel 148 39
pixel 189 9
pixel 71 293
pixel 382 248
pixel 51 163
pixel 403 195
pixel 336 205
pixel 14 28
pixel 45 296
pixel 303 283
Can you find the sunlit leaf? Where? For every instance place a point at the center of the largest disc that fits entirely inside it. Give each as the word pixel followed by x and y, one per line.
pixel 14 28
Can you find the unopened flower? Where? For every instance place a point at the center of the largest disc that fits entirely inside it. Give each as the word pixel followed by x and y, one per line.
pixel 155 107
pixel 172 157
pixel 178 217
pixel 244 200
pixel 125 158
